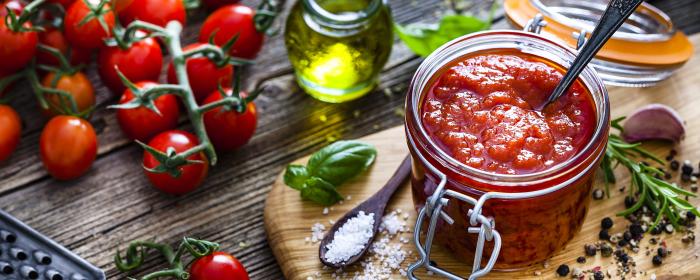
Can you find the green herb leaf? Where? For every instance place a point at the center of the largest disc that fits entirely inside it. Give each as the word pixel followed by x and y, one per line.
pixel 320 191
pixel 423 39
pixel 663 198
pixel 341 161
pixel 329 168
pixel 295 176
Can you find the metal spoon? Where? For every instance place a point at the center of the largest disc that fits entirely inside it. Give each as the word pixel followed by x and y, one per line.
pixel 615 15
pixel 375 204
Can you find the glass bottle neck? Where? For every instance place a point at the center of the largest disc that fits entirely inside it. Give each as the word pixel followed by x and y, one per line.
pixel 339 18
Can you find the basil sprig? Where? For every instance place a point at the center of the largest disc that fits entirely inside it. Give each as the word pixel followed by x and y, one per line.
pixel 423 38
pixel 329 168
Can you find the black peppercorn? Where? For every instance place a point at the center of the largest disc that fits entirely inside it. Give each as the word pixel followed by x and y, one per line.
pixel 598 275
pixel 662 252
pixel 606 223
pixel 590 250
pixel 627 236
pixel 604 235
pixel 685 177
pixel 687 168
pixel 563 270
pixel 667 176
pixel 622 243
pixel 690 216
pixel 624 258
pixel 656 230
pixel 636 230
pixel 656 260
pixel 606 250
pixel 674 165
pixel 629 201
pixel 581 259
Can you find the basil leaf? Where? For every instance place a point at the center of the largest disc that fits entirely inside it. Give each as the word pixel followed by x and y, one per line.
pixel 423 39
pixel 295 176
pixel 341 161
pixel 320 191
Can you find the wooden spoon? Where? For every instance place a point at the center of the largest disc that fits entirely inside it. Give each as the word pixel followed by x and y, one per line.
pixel 375 204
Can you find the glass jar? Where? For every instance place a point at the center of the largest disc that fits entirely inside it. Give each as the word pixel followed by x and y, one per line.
pixel 529 217
pixel 338 47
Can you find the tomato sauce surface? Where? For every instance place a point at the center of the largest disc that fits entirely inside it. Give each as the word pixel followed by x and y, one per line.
pixel 480 110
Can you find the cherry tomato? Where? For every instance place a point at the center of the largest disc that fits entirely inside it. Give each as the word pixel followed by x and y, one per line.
pixel 10 131
pixel 158 12
pixel 14 5
pixel 191 176
pixel 68 147
pixel 218 266
pixel 16 48
pixel 215 4
pixel 204 75
pixel 89 35
pixel 142 61
pixel 229 130
pixel 228 21
pixel 54 38
pixel 142 123
pixel 77 85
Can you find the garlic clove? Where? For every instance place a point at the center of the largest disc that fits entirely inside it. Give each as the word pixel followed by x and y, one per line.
pixel 654 122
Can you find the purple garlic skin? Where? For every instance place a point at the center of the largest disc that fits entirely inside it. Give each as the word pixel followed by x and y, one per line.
pixel 654 122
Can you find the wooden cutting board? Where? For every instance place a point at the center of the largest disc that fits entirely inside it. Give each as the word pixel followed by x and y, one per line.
pixel 288 219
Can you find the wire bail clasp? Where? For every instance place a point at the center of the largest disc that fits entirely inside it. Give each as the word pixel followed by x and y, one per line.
pixel 479 224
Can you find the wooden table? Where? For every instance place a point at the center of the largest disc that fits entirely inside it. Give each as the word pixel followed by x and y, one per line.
pixel 114 204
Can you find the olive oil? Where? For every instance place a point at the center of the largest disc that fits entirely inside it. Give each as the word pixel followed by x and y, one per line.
pixel 338 47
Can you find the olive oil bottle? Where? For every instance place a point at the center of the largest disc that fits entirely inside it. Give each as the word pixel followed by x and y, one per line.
pixel 338 47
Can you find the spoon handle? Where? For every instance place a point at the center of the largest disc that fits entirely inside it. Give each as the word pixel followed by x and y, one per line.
pixel 615 15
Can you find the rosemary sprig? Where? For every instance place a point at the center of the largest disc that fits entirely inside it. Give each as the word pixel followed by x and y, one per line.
pixel 663 198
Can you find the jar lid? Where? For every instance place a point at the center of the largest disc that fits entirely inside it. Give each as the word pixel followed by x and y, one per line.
pixel 645 50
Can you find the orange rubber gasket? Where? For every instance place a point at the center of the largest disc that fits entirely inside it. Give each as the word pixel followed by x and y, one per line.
pixel 673 52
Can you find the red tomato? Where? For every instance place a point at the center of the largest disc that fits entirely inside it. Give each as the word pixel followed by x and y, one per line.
pixel 10 131
pixel 229 21
pixel 54 38
pixel 142 123
pixel 16 48
pixel 215 4
pixel 158 12
pixel 68 147
pixel 229 130
pixel 203 74
pixel 91 34
pixel 192 175
pixel 218 266
pixel 77 85
pixel 14 5
pixel 142 61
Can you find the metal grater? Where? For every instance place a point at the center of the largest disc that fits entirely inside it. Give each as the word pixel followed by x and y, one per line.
pixel 27 254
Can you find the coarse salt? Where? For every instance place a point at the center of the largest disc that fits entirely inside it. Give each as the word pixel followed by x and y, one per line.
pixel 392 224
pixel 317 232
pixel 351 238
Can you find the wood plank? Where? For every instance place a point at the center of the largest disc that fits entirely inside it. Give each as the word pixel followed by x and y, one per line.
pixel 288 218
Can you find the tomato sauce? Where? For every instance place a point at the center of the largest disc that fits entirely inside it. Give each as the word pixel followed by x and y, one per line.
pixel 481 111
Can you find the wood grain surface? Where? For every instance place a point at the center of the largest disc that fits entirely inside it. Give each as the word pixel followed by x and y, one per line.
pixel 288 218
pixel 114 204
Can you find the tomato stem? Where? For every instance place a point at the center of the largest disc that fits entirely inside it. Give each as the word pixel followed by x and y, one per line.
pixel 169 162
pixel 265 16
pixel 136 254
